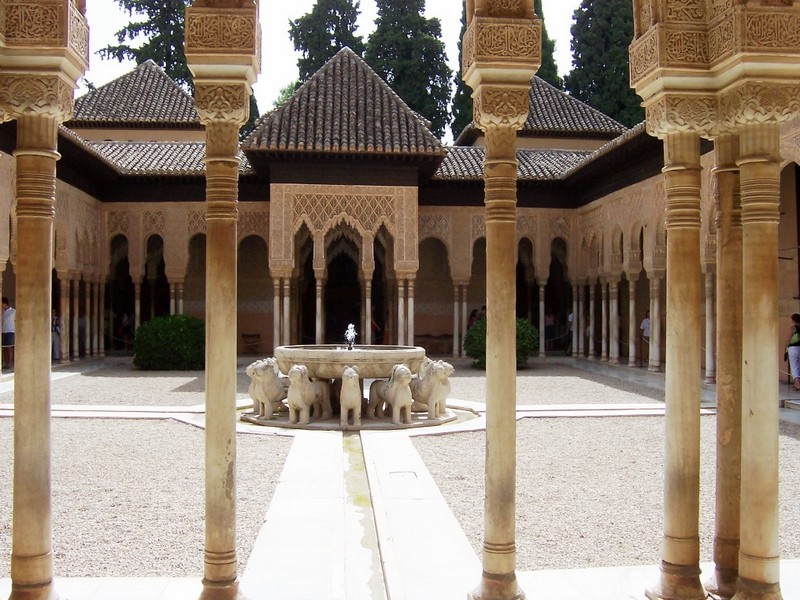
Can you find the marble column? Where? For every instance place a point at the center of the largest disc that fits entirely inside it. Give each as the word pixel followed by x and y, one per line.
pixel 64 285
pixel 542 327
pixel 287 311
pixel 172 298
pixel 759 555
pixel 729 368
pixel 76 292
pixel 590 337
pixel 276 312
pixel 581 329
pixel 320 330
pixel 411 313
pixel 633 326
pixel 680 558
pixel 31 555
pixel 603 321
pixel 613 322
pixel 464 320
pixel 101 326
pixel 87 317
pixel 220 580
pixel 710 375
pixel 573 326
pixel 456 322
pixel 655 323
pixel 98 317
pixel 368 309
pixel 401 316
pixel 137 305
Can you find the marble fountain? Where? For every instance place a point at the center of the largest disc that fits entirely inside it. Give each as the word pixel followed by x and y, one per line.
pixel 322 387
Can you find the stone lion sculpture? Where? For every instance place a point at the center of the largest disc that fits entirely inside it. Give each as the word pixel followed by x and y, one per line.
pixel 350 397
pixel 268 387
pixel 305 395
pixel 431 388
pixel 395 393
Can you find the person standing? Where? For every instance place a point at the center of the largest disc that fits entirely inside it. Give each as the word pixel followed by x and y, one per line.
pixel 55 335
pixel 793 349
pixel 645 327
pixel 9 316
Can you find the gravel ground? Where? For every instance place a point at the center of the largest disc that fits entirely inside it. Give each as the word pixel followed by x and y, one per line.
pixel 552 383
pixel 589 490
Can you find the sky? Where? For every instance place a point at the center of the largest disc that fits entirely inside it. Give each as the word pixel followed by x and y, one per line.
pixel 279 60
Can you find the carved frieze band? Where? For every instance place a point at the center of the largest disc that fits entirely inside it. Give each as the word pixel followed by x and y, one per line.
pixel 759 102
pixel 215 30
pixel 686 11
pixel 506 8
pixel 436 225
pixel 682 113
pixel 78 33
pixel 773 30
pixel 643 55
pixel 222 102
pixel 35 94
pixel 502 40
pixel 496 105
pixel 35 23
pixel 117 222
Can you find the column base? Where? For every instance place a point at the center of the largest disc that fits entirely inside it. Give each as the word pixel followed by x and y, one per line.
pixel 678 582
pixel 497 587
pixel 613 361
pixel 747 589
pixel 33 592
pixel 710 379
pixel 654 368
pixel 632 364
pixel 213 590
pixel 722 583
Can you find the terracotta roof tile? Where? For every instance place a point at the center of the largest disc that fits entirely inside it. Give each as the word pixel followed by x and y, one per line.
pixel 344 107
pixel 465 163
pixel 145 96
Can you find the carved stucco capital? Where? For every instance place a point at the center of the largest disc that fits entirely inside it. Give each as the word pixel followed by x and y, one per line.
pixel 505 106
pixel 222 102
pixel 689 113
pixel 37 94
pixel 759 102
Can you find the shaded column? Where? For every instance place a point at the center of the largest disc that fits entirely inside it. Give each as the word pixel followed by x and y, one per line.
pixel 173 304
pixel 97 318
pixel 276 312
pixel 410 311
pixel 137 305
pixel 581 329
pixel 613 322
pixel 368 310
pixel 603 320
pixel 76 288
pixel 590 336
pixel 729 368
pixel 31 555
pixel 710 376
pixel 542 326
pixel 63 281
pixel 320 323
pixel 180 297
pixel 287 310
pixel 573 326
pixel 87 317
pixel 101 326
pixel 633 326
pixel 456 322
pixel 655 322
pixel 680 559
pixel 464 321
pixel 759 554
pixel 401 316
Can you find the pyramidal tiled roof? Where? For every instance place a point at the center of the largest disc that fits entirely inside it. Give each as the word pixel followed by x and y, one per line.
pixel 344 107
pixel 145 96
pixel 465 163
pixel 158 158
pixel 556 113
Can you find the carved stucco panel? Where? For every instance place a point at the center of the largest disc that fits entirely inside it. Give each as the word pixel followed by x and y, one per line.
pixel 253 222
pixel 153 223
pixel 435 225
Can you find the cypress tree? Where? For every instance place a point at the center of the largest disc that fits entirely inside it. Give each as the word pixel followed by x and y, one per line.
pixel 318 35
pixel 601 34
pixel 462 99
pixel 407 51
pixel 548 71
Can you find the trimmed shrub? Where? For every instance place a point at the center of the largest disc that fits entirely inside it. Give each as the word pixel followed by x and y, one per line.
pixel 173 343
pixel 475 342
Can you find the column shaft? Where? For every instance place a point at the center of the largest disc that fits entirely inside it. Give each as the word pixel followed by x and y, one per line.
pixel 542 327
pixel 456 322
pixel 31 556
pixel 276 312
pixel 87 318
pixel 368 310
pixel 591 334
pixel 711 376
pixel 410 312
pixel 137 304
pixel 613 322
pixel 172 299
pixel 320 333
pixel 287 310
pixel 603 321
pixel 401 318
pixel 581 321
pixel 97 316
pixel 573 326
pixel 759 556
pixel 464 320
pixel 101 327
pixel 632 324
pixel 76 289
pixel 64 317
pixel 655 324
pixel 680 562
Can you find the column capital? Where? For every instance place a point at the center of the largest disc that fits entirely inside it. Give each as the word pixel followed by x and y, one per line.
pixel 682 112
pixel 222 102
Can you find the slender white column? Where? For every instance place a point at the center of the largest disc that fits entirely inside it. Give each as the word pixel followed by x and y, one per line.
pixel 590 340
pixel 97 318
pixel 456 322
pixel 711 371
pixel 655 324
pixel 411 312
pixel 320 333
pixel 276 312
pixel 401 316
pixel 368 310
pixel 87 319
pixel 64 310
pixel 180 298
pixel 613 322
pixel 287 314
pixel 137 306
pixel 633 326
pixel 464 321
pixel 76 289
pixel 581 329
pixel 542 326
pixel 573 342
pixel 101 327
pixel 603 321
pixel 173 305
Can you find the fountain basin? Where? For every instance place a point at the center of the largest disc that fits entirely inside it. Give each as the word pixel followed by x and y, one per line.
pixel 326 361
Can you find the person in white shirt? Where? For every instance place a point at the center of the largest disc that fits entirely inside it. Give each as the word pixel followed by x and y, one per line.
pixel 645 326
pixel 9 315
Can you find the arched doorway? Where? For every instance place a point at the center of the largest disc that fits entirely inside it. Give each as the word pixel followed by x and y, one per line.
pixel 557 297
pixel 155 287
pixel 194 287
pixel 120 297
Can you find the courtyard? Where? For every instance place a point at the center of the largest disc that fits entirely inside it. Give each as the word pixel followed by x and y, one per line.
pixel 128 490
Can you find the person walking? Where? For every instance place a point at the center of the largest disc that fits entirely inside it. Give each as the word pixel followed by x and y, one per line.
pixel 9 316
pixel 793 350
pixel 645 327
pixel 55 335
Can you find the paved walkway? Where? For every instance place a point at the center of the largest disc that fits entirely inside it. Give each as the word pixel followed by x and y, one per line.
pixel 380 529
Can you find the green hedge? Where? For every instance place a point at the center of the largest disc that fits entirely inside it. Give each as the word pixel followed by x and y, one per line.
pixel 174 343
pixel 475 342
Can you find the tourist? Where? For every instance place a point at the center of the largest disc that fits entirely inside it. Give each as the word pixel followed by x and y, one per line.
pixel 9 315
pixel 571 320
pixel 473 318
pixel 793 349
pixel 645 327
pixel 55 334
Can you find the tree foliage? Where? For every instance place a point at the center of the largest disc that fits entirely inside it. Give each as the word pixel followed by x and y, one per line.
pixel 161 27
pixel 407 51
pixel 600 37
pixel 176 342
pixel 462 99
pixel 549 70
pixel 475 342
pixel 318 35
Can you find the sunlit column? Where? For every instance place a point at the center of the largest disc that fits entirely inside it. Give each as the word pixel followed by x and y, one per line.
pixel 401 315
pixel 76 289
pixel 655 323
pixel 101 326
pixel 368 310
pixel 464 321
pixel 97 317
pixel 287 310
pixel 581 328
pixel 573 326
pixel 320 333
pixel 590 337
pixel 276 312
pixel 613 321
pixel 173 305
pixel 633 326
pixel 603 320
pixel 411 313
pixel 63 281
pixel 137 305
pixel 710 375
